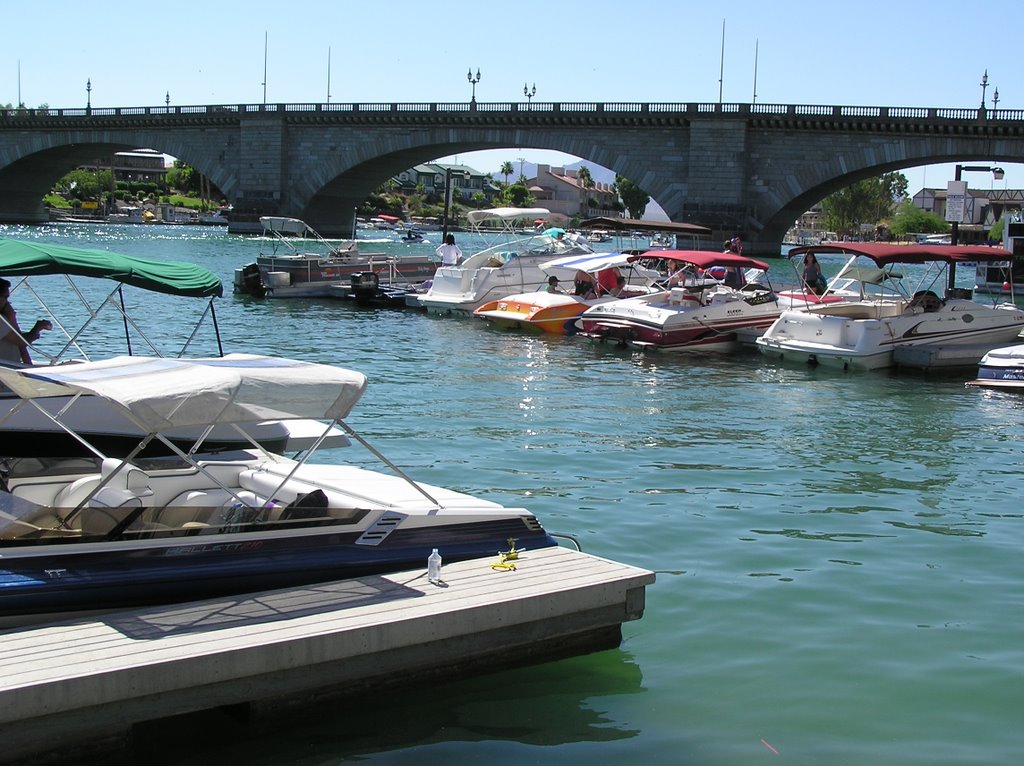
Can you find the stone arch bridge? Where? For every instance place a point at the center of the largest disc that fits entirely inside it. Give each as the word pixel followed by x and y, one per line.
pixel 752 168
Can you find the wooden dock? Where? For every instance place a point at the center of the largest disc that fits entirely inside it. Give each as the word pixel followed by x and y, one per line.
pixel 79 684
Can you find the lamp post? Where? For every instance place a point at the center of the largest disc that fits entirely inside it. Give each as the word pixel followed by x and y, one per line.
pixel 473 81
pixel 529 94
pixel 995 100
pixel 984 85
pixel 167 99
pixel 961 189
pixel 88 96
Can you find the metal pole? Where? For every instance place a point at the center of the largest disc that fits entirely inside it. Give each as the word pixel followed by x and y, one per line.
pixel 954 237
pixel 265 41
pixel 721 68
pixel 447 201
pixel 754 101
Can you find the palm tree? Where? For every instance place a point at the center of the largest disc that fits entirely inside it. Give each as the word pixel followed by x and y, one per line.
pixel 507 170
pixel 587 182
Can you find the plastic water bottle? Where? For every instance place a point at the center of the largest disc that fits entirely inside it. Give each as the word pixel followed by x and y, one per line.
pixel 434 567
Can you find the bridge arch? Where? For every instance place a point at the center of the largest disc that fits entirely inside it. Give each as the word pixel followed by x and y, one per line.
pixel 746 167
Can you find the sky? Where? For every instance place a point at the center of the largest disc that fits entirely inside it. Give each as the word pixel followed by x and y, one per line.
pixel 868 53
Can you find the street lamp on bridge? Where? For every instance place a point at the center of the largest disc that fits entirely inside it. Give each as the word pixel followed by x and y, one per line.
pixel 984 85
pixel 88 96
pixel 529 94
pixel 473 81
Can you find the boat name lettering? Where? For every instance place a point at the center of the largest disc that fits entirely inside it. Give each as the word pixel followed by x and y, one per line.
pixel 189 550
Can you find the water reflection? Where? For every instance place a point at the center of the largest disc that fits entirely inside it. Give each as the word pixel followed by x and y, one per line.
pixel 546 705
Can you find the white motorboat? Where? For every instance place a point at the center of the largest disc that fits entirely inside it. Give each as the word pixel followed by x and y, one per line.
pixel 1001 368
pixel 719 295
pixel 103 533
pixel 557 312
pixel 864 333
pixel 1001 277
pixel 332 270
pixel 509 267
pixel 97 302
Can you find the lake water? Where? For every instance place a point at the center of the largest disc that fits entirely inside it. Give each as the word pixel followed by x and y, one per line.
pixel 838 555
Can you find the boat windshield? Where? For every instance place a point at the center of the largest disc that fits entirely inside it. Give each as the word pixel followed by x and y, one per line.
pixel 542 246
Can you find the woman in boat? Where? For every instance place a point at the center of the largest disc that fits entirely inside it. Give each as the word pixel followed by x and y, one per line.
pixel 449 252
pixel 13 342
pixel 812 277
pixel 585 284
pixel 553 285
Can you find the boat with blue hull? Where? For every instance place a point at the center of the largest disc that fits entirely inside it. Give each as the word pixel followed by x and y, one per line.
pixel 101 533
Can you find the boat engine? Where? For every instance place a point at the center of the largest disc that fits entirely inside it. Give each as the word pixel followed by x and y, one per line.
pixel 252 282
pixel 365 285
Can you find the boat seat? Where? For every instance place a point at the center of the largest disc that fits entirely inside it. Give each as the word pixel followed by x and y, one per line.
pixel 108 508
pixel 129 478
pixel 196 508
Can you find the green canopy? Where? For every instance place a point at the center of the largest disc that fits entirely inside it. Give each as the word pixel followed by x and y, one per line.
pixel 20 259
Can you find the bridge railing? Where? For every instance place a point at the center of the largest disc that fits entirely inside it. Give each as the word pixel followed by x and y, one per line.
pixel 611 108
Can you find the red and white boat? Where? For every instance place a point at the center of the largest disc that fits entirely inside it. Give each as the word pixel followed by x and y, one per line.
pixel 724 293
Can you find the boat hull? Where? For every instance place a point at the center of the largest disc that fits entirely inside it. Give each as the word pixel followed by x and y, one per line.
pixel 552 313
pixel 1002 368
pixel 852 340
pixel 675 322
pixel 115 576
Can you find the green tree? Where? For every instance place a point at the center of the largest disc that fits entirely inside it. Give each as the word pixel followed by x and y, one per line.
pixel 517 195
pixel 183 177
pixel 587 182
pixel 507 170
pixel 633 197
pixel 869 201
pixel 83 184
pixel 910 219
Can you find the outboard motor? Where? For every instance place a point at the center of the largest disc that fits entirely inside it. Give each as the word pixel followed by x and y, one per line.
pixel 365 286
pixel 252 282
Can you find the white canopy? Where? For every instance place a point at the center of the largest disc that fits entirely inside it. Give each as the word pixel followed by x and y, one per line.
pixel 505 214
pixel 284 225
pixel 170 393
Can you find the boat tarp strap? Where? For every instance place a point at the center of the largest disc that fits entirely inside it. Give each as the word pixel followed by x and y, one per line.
pixel 19 258
pixel 162 393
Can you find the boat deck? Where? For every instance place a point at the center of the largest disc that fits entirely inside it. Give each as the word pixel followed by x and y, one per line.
pixel 78 683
